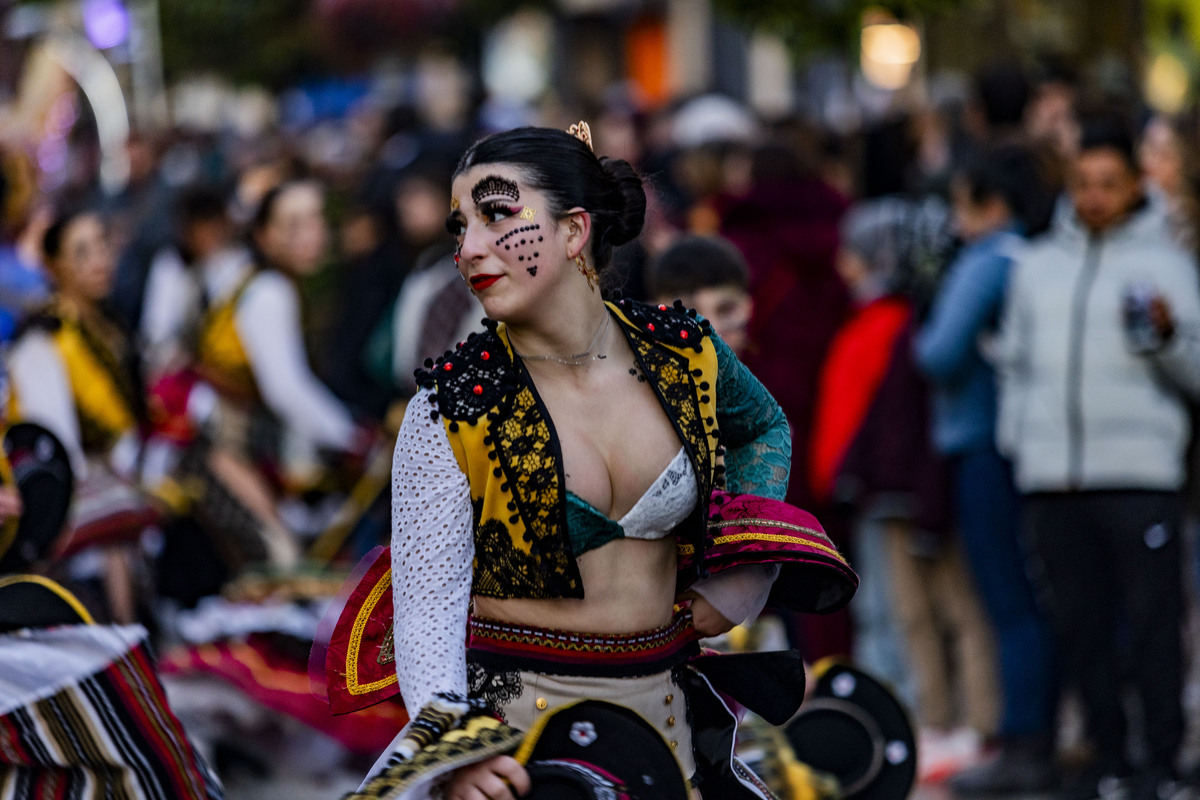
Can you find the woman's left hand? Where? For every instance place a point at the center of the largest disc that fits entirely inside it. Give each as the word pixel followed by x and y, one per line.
pixel 705 618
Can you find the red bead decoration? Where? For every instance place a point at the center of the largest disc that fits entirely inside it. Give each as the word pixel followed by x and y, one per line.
pixel 447 367
pixel 478 389
pixel 650 326
pixel 485 355
pixel 683 334
pixel 662 307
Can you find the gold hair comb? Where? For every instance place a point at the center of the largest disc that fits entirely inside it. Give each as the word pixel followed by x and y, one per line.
pixel 583 133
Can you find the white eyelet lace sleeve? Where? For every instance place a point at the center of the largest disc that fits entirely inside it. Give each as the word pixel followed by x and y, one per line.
pixel 432 552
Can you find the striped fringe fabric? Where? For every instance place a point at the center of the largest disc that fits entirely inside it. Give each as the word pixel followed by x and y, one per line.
pixel 107 735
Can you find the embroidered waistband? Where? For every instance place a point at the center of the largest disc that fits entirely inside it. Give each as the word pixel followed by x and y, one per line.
pixel 503 645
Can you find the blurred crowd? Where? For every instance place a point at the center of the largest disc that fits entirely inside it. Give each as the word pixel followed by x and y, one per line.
pixel 981 317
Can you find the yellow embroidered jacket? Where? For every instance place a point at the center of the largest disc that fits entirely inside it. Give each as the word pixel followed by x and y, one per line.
pixel 220 357
pixel 104 387
pixel 505 444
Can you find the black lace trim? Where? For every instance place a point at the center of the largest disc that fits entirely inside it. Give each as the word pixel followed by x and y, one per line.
pixel 529 462
pixel 676 325
pixel 472 378
pixel 674 382
pixel 495 688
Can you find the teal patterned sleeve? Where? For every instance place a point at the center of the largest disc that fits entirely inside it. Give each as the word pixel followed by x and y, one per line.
pixel 754 431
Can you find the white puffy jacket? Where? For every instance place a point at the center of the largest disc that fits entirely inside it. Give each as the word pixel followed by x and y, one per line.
pixel 1078 408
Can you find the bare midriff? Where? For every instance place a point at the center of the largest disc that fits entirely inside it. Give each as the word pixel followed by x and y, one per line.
pixel 629 586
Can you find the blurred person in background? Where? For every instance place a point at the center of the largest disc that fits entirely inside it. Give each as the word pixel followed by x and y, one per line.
pixel 1167 157
pixel 989 198
pixel 708 274
pixel 252 352
pixel 23 283
pixel 139 218
pixel 185 278
pixel 1100 347
pixel 872 455
pixel 74 371
pixel 786 226
pixel 434 308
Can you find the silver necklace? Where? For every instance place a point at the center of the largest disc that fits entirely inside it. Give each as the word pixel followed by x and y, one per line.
pixel 577 360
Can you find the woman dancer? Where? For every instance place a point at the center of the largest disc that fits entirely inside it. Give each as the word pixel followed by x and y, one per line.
pixel 552 479
pixel 74 370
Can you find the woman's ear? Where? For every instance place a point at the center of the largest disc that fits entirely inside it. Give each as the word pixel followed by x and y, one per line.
pixel 578 230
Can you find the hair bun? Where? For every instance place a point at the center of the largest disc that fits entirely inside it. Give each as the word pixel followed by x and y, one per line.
pixel 629 212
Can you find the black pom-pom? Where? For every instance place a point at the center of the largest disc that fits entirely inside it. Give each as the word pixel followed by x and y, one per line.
pixel 512 506
pixel 433 415
pixel 704 398
pixel 679 306
pixel 429 363
pixel 514 519
pixel 453 427
pixel 704 386
pixel 504 486
pixel 497 472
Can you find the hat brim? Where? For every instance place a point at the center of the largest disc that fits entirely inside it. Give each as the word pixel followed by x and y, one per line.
pixel 855 729
pixel 41 471
pixel 611 741
pixel 32 601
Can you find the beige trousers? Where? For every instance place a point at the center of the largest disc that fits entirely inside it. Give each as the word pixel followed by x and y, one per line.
pixel 945 633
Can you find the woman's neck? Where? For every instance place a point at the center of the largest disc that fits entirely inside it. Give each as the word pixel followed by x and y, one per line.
pixel 574 327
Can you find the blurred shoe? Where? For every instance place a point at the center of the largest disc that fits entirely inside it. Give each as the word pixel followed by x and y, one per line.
pixel 1019 767
pixel 1160 783
pixel 941 754
pixel 1095 784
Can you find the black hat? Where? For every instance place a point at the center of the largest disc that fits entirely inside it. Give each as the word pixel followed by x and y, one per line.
pixel 855 729
pixel 32 601
pixel 41 470
pixel 592 750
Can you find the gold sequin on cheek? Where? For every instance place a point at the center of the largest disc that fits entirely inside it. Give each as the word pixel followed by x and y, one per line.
pixel 454 204
pixel 528 213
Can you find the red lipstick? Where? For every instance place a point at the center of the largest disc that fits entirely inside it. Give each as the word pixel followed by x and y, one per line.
pixel 479 282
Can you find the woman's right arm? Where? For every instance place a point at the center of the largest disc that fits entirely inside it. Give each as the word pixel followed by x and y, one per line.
pixel 432 552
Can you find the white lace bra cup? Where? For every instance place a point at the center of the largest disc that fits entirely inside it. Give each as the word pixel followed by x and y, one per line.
pixel 665 504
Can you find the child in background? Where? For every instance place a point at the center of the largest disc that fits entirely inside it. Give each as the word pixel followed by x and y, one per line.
pixel 710 275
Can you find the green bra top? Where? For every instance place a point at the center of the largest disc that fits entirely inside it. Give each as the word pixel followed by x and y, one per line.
pixel 664 505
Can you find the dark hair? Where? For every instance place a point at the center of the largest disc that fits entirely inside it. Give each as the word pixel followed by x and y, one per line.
pixel 1108 133
pixel 571 176
pixel 52 239
pixel 1003 92
pixel 697 262
pixel 203 203
pixel 1011 174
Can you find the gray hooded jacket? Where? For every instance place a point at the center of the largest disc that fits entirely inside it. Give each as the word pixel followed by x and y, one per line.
pixel 1079 409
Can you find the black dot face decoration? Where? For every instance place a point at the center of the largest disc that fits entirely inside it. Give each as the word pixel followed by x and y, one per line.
pixel 520 240
pixel 495 185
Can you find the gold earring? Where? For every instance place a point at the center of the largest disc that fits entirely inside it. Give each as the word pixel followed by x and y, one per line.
pixel 587 271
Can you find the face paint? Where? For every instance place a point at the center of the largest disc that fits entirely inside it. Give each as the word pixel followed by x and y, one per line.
pixel 524 243
pixel 454 204
pixel 528 213
pixel 494 185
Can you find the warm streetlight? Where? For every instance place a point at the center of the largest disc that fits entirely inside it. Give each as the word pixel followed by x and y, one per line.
pixel 889 51
pixel 1167 84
